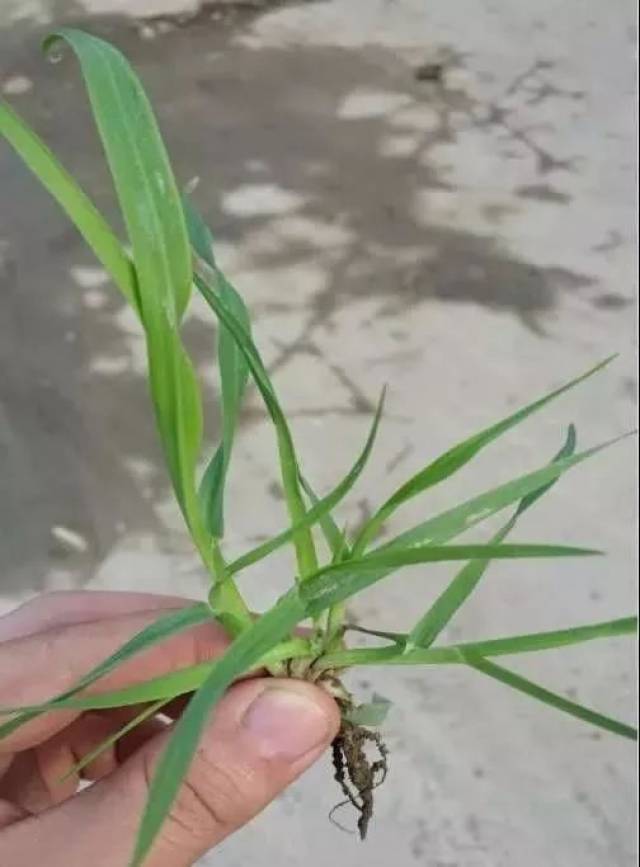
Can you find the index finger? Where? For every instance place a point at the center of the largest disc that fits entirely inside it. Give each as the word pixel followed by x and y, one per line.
pixel 36 668
pixel 62 607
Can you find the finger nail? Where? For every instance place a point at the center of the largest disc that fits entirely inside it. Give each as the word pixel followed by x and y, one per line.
pixel 286 723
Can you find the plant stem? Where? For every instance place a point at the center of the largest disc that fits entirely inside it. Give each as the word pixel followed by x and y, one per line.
pixel 336 614
pixel 224 597
pixel 335 621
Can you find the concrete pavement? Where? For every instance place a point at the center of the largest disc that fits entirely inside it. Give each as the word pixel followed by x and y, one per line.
pixel 470 241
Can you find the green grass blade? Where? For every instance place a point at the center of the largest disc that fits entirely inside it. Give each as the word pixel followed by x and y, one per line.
pixel 431 624
pixel 245 652
pixel 93 754
pixel 165 686
pixel 451 523
pixel 72 199
pixel 338 543
pixel 427 629
pixel 320 510
pixel 513 644
pixel 145 185
pixel 211 492
pixel 555 638
pixel 568 450
pixel 153 215
pixel 453 654
pixel 336 583
pixel 455 458
pixel 335 538
pixel 522 684
pixel 163 628
pixel 290 471
pixel 199 233
pixel 337 614
pixel 233 377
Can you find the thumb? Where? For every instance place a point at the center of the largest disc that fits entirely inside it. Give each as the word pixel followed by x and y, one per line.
pixel 263 734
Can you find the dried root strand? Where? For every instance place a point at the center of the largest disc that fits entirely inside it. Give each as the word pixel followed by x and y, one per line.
pixel 356 775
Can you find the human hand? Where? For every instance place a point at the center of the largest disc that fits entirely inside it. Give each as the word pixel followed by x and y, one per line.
pixel 262 735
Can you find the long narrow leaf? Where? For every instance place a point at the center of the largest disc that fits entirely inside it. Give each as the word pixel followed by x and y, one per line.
pixel 189 679
pixel 165 686
pixel 559 702
pixel 556 638
pixel 451 523
pixel 145 185
pixel 245 651
pixel 338 543
pixel 200 236
pixel 72 199
pixel 467 656
pixel 290 470
pixel 164 627
pixel 454 654
pixel 320 510
pixel 152 211
pixel 233 377
pixel 456 457
pixel 568 450
pixel 233 374
pixel 334 537
pixel 337 583
pixel 431 624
